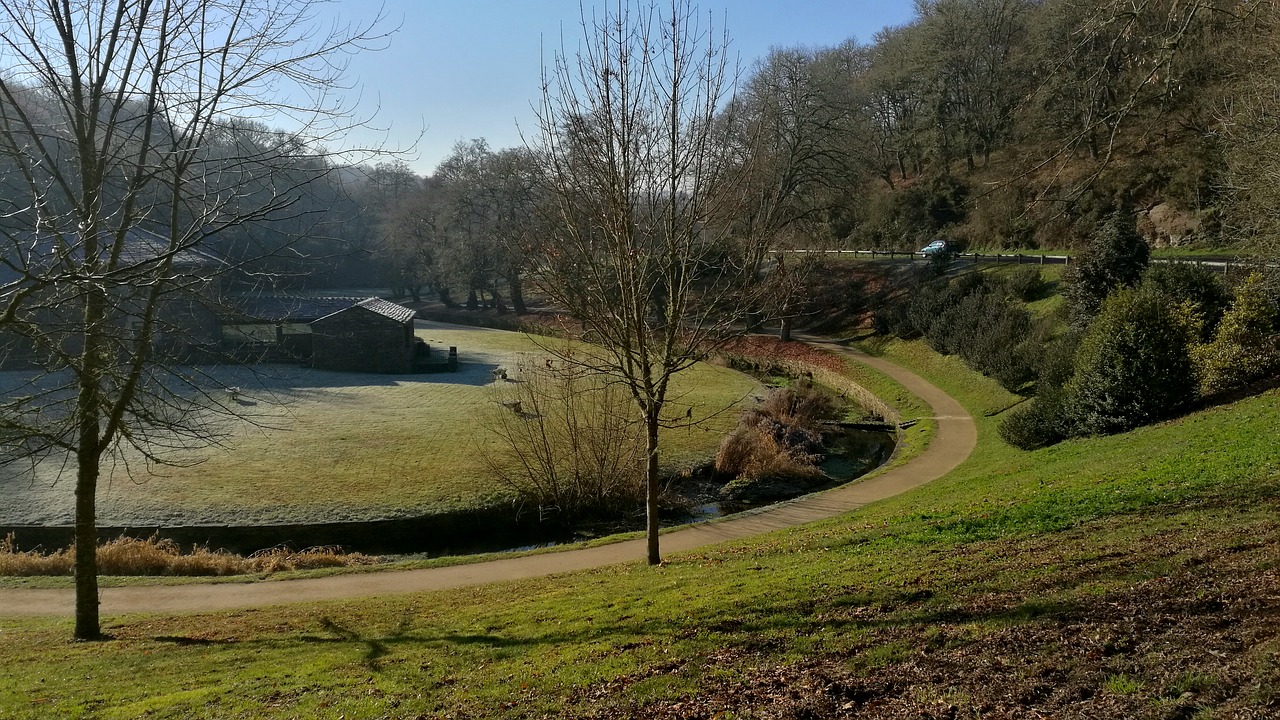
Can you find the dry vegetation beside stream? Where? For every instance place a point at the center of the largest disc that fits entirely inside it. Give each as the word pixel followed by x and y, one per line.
pixel 156 556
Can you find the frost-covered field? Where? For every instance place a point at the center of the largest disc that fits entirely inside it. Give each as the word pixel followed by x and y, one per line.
pixel 317 446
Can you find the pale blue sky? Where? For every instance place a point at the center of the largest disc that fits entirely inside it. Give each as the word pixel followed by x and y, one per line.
pixel 460 69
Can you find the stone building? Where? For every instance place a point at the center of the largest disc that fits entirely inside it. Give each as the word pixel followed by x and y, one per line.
pixel 329 333
pixel 371 336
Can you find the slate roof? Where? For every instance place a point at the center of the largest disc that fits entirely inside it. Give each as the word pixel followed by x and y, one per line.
pixel 288 308
pixel 27 250
pixel 294 309
pixel 399 313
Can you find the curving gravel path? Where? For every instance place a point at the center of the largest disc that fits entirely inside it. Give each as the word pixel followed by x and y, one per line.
pixel 955 440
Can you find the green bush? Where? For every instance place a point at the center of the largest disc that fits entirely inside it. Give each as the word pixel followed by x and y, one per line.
pixel 893 319
pixel 1198 286
pixel 909 217
pixel 991 333
pixel 1055 361
pixel 1245 346
pixel 1133 366
pixel 1025 283
pixel 1037 423
pixel 971 316
pixel 1116 258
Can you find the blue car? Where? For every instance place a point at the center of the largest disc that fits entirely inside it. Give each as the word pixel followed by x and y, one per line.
pixel 940 246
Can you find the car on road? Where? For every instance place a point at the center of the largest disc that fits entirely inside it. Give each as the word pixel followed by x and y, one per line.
pixel 938 247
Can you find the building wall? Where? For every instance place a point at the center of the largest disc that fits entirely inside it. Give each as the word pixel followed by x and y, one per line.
pixel 359 340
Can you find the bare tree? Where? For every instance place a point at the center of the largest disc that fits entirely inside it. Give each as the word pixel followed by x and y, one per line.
pixel 1250 120
pixel 492 197
pixel 634 165
pixel 133 133
pixel 566 441
pixel 976 77
pixel 414 239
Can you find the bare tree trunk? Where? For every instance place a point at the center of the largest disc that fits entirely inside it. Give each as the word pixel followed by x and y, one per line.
pixel 88 454
pixel 785 332
pixel 652 487
pixel 517 293
pixel 86 543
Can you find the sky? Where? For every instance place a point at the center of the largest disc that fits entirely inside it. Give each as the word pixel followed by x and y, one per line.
pixel 461 69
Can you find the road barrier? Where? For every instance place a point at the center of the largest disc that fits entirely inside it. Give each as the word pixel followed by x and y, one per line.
pixel 1226 266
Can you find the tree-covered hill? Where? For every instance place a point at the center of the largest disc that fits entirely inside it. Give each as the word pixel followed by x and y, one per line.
pixel 1010 123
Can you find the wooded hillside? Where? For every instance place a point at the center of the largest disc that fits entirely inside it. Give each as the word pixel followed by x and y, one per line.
pixel 1019 124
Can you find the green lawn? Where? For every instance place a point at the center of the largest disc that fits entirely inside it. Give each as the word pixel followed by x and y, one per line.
pixel 1129 576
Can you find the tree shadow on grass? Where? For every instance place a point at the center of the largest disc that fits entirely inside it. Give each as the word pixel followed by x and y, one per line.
pixel 375 648
pixel 266 382
pixel 186 640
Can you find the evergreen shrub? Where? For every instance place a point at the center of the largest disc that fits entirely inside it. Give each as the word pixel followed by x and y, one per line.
pixel 1133 366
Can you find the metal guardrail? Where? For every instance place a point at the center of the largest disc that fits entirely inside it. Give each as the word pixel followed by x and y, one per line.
pixel 1021 259
pixel 977 257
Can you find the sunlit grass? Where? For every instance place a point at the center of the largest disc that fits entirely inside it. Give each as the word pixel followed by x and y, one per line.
pixel 1024 534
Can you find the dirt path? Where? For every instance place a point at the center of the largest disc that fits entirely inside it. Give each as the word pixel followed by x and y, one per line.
pixel 954 441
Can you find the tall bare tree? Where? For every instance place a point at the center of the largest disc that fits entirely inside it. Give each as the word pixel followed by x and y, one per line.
pixel 634 167
pixel 133 133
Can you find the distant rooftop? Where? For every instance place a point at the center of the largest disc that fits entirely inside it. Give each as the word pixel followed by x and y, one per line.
pixel 31 253
pixel 399 313
pixel 295 309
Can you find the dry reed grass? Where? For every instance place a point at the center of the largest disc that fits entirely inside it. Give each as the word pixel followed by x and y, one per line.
pixel 781 437
pixel 156 556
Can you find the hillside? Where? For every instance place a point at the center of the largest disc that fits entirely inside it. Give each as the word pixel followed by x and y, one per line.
pixel 1128 576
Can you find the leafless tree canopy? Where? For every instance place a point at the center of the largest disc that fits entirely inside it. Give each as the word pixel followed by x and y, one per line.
pixel 134 134
pixel 635 169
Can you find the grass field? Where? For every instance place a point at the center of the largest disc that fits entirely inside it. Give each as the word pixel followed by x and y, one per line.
pixel 1129 576
pixel 326 446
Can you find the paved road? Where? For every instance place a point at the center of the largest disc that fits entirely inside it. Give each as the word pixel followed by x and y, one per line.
pixel 954 441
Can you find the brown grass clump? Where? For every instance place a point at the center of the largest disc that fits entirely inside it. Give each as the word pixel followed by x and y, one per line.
pixel 752 453
pixel 156 556
pixel 14 562
pixel 281 559
pixel 779 438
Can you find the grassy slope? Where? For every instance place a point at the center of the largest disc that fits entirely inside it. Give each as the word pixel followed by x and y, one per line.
pixel 382 445
pixel 1131 576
